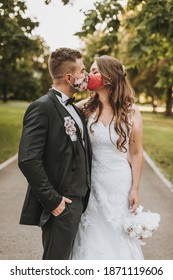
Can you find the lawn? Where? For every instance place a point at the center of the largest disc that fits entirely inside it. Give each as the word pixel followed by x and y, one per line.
pixel 11 116
pixel 157 139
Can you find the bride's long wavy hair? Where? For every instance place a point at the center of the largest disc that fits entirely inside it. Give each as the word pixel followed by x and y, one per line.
pixel 121 98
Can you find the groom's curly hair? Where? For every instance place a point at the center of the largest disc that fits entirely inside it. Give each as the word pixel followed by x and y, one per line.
pixel 121 98
pixel 61 61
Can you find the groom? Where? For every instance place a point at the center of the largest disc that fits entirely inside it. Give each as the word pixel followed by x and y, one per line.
pixel 55 157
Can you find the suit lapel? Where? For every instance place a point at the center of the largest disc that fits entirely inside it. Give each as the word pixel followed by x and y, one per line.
pixel 85 133
pixel 63 112
pixel 88 149
pixel 83 122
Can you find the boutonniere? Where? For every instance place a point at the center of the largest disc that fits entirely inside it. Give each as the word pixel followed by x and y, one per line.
pixel 70 128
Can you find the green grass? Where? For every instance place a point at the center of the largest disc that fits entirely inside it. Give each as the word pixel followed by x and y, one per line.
pixel 11 116
pixel 158 141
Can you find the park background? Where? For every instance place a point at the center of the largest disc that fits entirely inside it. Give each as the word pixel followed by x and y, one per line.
pixel 138 33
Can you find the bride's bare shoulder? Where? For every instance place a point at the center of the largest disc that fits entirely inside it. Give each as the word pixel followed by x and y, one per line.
pixel 81 103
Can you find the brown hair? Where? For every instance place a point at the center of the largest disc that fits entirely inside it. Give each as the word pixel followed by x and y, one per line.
pixel 62 60
pixel 121 98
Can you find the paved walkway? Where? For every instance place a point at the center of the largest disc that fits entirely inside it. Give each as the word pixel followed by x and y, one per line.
pixel 24 242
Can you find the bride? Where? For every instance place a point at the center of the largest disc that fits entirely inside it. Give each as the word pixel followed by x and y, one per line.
pixel 115 129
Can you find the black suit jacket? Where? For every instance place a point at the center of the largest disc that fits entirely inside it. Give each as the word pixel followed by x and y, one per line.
pixel 52 163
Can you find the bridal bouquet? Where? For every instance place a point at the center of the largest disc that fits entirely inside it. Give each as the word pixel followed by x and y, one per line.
pixel 141 225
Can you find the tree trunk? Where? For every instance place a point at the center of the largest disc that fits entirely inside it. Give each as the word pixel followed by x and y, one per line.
pixel 154 104
pixel 153 101
pixel 4 94
pixel 168 112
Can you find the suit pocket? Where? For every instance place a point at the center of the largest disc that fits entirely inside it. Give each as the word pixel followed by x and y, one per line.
pixel 56 219
pixel 64 213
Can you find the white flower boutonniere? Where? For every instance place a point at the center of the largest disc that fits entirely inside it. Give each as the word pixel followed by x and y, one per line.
pixel 70 128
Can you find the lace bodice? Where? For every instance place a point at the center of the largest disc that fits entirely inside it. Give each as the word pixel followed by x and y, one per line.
pixel 105 150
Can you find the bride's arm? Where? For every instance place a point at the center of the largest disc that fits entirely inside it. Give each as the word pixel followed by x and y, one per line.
pixel 136 156
pixel 81 103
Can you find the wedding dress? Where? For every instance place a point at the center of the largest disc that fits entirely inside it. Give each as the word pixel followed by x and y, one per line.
pixel 100 234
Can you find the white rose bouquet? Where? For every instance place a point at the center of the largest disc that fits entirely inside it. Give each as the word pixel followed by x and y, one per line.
pixel 141 225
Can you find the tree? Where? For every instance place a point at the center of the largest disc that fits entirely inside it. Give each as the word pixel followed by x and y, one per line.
pixel 143 79
pixel 31 78
pixel 153 42
pixel 17 46
pixel 104 21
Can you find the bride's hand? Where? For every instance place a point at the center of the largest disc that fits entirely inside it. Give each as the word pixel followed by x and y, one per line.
pixel 133 201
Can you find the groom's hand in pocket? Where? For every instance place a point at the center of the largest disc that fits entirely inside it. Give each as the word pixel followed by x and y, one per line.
pixel 58 210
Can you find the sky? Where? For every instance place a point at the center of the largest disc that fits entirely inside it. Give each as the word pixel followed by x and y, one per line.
pixel 58 23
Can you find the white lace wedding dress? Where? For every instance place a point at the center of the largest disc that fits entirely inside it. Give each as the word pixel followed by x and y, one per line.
pixel 100 235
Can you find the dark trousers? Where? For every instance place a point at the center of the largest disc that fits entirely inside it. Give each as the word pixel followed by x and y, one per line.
pixel 59 232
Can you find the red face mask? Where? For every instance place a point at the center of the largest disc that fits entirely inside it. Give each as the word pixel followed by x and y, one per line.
pixel 95 82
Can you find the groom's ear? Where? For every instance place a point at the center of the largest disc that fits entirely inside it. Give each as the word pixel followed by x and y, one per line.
pixel 68 78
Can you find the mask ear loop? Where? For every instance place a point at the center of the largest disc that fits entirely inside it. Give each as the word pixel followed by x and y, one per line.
pixel 72 75
pixel 107 78
pixel 69 80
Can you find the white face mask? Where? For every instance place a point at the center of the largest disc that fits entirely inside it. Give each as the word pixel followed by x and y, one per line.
pixel 80 84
